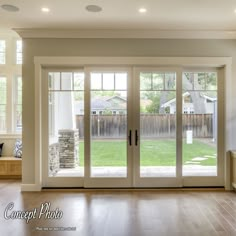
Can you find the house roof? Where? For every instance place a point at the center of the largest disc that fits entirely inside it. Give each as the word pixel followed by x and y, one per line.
pixel 166 104
pixel 103 103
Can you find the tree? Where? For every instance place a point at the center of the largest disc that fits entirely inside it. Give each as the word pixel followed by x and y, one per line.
pixel 154 96
pixel 198 101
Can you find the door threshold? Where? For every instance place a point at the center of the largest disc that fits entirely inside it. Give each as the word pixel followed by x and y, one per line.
pixel 81 189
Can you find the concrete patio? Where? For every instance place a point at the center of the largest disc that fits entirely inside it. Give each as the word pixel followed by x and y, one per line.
pixel 147 171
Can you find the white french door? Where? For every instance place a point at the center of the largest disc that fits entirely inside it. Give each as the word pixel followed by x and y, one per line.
pixel 178 127
pixel 132 127
pixel 157 158
pixel 87 119
pixel 108 112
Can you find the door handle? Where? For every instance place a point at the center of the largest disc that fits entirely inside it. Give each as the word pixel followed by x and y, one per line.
pixel 130 137
pixel 136 137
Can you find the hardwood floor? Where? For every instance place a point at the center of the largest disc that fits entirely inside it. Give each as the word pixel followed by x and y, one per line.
pixel 119 212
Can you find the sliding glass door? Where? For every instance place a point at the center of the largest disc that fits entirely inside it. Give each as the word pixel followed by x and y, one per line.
pixel 132 127
pixel 108 105
pixel 86 126
pixel 202 127
pixel 177 127
pixel 156 128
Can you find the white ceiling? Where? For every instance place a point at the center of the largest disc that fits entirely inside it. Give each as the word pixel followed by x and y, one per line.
pixel 122 14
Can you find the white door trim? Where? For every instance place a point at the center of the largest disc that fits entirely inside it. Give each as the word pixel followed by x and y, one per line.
pixel 42 62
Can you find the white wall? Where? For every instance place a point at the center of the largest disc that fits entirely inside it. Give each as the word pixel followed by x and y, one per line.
pixel 117 47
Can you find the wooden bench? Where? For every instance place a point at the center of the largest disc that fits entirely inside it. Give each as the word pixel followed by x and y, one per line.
pixel 10 168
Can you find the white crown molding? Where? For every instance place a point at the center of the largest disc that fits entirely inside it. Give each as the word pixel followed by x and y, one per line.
pixel 128 34
pixel 6 33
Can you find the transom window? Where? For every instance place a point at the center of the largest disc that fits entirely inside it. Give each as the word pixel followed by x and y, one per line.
pixel 66 81
pixel 200 81
pixel 109 81
pixel 157 81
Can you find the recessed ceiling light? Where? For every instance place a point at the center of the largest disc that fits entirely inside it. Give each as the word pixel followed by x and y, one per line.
pixel 142 10
pixel 93 8
pixel 45 9
pixel 10 8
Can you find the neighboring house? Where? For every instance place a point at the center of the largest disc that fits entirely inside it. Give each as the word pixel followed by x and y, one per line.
pixel 188 106
pixel 104 105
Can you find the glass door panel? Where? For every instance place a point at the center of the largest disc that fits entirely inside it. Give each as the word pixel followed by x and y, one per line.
pixel 66 124
pixel 157 124
pixel 199 122
pixel 108 124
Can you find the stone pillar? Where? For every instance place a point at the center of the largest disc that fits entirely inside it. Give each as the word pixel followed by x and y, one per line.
pixel 53 159
pixel 68 148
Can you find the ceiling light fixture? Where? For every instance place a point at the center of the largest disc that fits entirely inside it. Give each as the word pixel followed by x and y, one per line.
pixel 93 8
pixel 45 9
pixel 10 8
pixel 142 10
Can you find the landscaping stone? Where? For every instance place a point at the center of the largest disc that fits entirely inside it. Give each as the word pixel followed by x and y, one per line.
pixel 68 148
pixel 53 159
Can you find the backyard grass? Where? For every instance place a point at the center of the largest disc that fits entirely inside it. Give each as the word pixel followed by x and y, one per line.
pixel 153 153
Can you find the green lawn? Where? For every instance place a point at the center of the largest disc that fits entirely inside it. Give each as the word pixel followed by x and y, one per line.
pixel 153 153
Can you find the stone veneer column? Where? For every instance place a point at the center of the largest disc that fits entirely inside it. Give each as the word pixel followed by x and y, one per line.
pixel 53 159
pixel 68 148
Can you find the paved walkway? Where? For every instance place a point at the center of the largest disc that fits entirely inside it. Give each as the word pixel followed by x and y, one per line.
pixel 147 171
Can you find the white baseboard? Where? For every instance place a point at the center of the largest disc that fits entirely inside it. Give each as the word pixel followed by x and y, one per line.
pixel 234 185
pixel 30 188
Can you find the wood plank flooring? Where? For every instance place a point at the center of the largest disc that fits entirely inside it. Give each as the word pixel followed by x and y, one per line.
pixel 120 212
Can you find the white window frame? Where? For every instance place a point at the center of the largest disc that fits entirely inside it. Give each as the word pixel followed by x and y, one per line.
pixel 223 62
pixel 3 52
pixel 6 104
pixel 10 70
pixel 16 103
pixel 18 54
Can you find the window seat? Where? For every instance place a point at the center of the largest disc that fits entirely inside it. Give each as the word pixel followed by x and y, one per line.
pixel 10 168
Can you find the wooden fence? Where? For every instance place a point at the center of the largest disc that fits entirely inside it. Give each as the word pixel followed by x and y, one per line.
pixel 153 126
